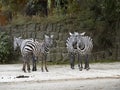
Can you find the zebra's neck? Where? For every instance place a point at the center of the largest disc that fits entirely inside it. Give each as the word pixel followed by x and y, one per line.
pixel 46 47
pixel 20 42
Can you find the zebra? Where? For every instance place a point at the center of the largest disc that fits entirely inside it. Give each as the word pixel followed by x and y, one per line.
pixel 71 47
pixel 26 50
pixel 80 45
pixel 44 48
pixel 30 47
pixel 84 48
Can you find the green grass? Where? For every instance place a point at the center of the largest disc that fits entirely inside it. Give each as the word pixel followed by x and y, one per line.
pixel 20 19
pixel 76 62
pixel 105 61
pixel 66 62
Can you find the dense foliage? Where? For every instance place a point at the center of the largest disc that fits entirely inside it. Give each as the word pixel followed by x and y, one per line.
pixel 101 17
pixel 108 12
pixel 5 48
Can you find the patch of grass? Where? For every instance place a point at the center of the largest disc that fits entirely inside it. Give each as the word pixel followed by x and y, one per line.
pixel 66 62
pixel 56 63
pixel 20 19
pixel 105 61
pixel 76 62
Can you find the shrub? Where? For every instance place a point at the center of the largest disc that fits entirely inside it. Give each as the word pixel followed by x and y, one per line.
pixel 5 48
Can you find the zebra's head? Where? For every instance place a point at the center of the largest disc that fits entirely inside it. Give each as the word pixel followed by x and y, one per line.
pixel 17 42
pixel 72 42
pixel 73 38
pixel 80 43
pixel 49 40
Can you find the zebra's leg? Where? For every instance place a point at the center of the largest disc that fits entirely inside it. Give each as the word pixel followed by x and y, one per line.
pixel 80 63
pixel 33 58
pixel 45 56
pixel 70 56
pixel 28 65
pixel 87 63
pixel 33 69
pixel 34 63
pixel 42 65
pixel 24 66
pixel 72 59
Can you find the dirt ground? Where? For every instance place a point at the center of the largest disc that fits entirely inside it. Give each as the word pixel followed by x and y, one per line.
pixel 104 76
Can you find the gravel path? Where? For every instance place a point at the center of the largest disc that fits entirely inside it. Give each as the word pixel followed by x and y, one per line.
pixel 105 76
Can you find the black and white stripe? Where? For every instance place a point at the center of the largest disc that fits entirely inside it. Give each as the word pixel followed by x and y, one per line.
pixel 84 48
pixel 29 48
pixel 81 45
pixel 44 49
pixel 71 47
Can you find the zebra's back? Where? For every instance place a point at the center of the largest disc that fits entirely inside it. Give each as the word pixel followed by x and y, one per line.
pixel 30 47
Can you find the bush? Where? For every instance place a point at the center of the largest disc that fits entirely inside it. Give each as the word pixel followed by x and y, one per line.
pixel 5 48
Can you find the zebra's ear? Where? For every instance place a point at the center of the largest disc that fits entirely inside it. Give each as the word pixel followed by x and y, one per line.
pixel 82 33
pixel 46 36
pixel 19 37
pixel 70 33
pixel 51 36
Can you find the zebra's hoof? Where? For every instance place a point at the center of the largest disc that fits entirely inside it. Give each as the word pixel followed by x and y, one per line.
pixel 34 69
pixel 87 68
pixel 72 68
pixel 42 70
pixel 46 70
pixel 29 72
pixel 24 70
pixel 80 69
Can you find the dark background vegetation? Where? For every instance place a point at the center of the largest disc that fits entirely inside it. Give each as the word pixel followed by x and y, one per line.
pixel 100 17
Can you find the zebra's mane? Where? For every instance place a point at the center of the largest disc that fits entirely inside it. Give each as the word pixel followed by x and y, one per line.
pixel 46 43
pixel 88 45
pixel 84 43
